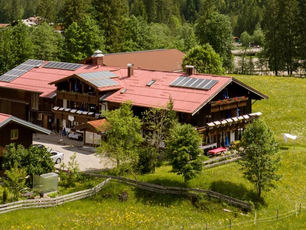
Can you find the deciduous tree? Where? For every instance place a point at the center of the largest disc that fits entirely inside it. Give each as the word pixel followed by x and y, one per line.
pixel 183 151
pixel 258 160
pixel 123 136
pixel 205 60
pixel 157 122
pixel 81 40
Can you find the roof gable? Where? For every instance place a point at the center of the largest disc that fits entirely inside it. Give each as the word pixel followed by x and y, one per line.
pixel 5 119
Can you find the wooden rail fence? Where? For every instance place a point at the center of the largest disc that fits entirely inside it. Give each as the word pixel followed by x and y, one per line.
pixel 221 160
pixel 178 190
pixel 51 202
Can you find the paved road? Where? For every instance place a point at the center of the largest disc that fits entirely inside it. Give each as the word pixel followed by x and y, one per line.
pixel 85 155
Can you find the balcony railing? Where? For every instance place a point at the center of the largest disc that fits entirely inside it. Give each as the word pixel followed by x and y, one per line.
pixel 72 96
pixel 228 103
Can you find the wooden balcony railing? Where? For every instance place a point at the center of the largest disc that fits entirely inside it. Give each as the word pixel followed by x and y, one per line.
pixel 228 103
pixel 77 97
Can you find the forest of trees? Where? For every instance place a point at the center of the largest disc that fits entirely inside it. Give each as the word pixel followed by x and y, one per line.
pixel 134 25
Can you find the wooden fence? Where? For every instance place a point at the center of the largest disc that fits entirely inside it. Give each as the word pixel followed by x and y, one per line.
pixel 221 160
pixel 178 190
pixel 51 202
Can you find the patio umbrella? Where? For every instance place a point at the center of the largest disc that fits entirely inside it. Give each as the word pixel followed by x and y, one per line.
pixel 226 141
pixel 76 87
pixel 237 112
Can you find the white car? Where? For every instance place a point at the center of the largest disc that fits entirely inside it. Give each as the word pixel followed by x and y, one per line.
pixel 75 136
pixel 57 156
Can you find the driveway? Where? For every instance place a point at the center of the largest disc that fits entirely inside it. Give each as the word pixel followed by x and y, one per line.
pixel 84 155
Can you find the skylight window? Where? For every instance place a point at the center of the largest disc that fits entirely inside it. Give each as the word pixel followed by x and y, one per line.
pixel 123 91
pixel 151 83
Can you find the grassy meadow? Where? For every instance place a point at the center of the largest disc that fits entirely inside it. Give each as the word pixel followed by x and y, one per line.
pixel 283 112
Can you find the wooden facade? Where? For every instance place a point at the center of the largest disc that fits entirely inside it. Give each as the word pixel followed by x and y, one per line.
pixel 27 106
pixel 17 131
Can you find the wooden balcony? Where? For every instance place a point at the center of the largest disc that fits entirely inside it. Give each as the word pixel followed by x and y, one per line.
pixel 228 103
pixel 71 96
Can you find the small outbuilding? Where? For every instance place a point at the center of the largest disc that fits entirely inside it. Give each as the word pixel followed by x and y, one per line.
pixel 18 131
pixel 93 131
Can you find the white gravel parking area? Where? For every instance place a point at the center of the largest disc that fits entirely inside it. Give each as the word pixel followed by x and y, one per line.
pixel 84 155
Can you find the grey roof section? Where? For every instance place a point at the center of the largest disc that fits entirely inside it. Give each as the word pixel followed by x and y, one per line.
pixel 20 70
pixel 97 75
pixel 99 79
pixel 25 124
pixel 62 65
pixel 103 82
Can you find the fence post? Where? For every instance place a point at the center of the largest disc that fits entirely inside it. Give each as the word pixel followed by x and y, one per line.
pixel 230 223
pixel 255 218
pixel 277 215
pixel 206 226
pixel 300 208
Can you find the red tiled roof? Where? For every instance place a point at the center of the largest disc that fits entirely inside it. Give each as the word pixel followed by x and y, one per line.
pixel 157 95
pixel 97 124
pixel 162 60
pixel 4 117
pixel 38 79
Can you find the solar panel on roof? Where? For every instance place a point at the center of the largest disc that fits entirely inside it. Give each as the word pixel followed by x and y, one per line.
pixel 183 82
pixel 202 84
pixel 97 75
pixel 20 70
pixel 33 62
pixel 176 81
pixel 211 84
pixel 190 82
pixel 194 83
pixel 62 65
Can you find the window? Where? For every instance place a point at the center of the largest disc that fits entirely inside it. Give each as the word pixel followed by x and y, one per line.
pixel 35 101
pixel 14 134
pixel 151 83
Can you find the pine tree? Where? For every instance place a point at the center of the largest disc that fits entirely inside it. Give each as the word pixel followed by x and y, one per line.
pixel 110 15
pixel 47 43
pixel 74 11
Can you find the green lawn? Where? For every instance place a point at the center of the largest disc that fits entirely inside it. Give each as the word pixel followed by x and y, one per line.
pixel 283 112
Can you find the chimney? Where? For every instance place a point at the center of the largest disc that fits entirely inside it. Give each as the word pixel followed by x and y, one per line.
pixel 130 70
pixel 97 58
pixel 190 70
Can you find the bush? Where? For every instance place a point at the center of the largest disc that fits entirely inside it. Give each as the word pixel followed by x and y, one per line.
pixel 5 195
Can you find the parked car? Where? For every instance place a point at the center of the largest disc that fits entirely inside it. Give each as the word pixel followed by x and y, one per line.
pixel 38 146
pixel 57 156
pixel 75 136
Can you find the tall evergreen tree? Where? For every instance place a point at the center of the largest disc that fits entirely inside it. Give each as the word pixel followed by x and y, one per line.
pixel 138 8
pixel 249 16
pixel 217 31
pixel 110 15
pixel 47 43
pixel 22 43
pixel 302 32
pixel 74 11
pixel 47 10
pixel 281 31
